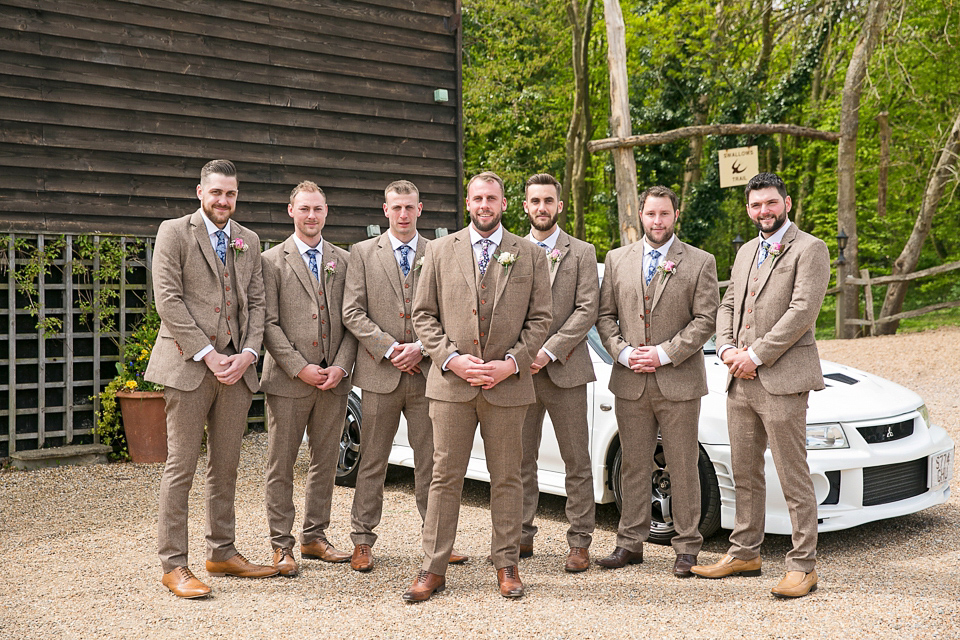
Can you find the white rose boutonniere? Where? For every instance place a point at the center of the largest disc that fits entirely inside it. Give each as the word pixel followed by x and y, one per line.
pixel 506 259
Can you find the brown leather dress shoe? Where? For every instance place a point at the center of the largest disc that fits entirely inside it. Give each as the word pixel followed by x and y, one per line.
pixel 683 564
pixel 577 560
pixel 728 566
pixel 284 562
pixel 621 558
pixel 796 584
pixel 184 584
pixel 362 558
pixel 320 549
pixel 526 551
pixel 425 586
pixel 240 567
pixel 509 581
pixel 457 558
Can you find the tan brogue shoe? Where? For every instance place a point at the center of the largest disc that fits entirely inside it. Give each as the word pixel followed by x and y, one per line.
pixel 320 549
pixel 796 584
pixel 284 562
pixel 526 550
pixel 457 558
pixel 577 560
pixel 728 566
pixel 184 584
pixel 425 586
pixel 621 558
pixel 362 558
pixel 683 564
pixel 509 580
pixel 240 567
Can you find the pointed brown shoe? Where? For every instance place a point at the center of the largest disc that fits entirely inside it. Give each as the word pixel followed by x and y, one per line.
pixel 683 564
pixel 577 560
pixel 457 558
pixel 284 562
pixel 621 558
pixel 184 584
pixel 320 549
pixel 362 558
pixel 240 567
pixel 424 586
pixel 509 580
pixel 728 566
pixel 796 584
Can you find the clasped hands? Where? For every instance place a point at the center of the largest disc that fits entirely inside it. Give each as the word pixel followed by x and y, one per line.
pixel 407 357
pixel 739 363
pixel 644 359
pixel 228 369
pixel 323 378
pixel 482 374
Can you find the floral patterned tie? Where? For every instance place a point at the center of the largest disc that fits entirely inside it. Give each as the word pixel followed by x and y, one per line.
pixel 654 258
pixel 221 246
pixel 484 255
pixel 313 263
pixel 404 261
pixel 764 252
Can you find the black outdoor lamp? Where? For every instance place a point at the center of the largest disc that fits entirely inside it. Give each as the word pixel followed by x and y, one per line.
pixel 737 243
pixel 841 245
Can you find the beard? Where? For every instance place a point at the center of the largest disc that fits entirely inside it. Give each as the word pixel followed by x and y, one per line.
pixel 653 241
pixel 773 226
pixel 543 226
pixel 217 216
pixel 486 226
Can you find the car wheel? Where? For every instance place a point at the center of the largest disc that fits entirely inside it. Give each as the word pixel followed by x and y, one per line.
pixel 348 464
pixel 662 529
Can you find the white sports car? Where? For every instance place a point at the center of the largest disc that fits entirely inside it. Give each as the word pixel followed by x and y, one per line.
pixel 872 452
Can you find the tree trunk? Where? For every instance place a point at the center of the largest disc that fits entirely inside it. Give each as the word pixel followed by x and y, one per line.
pixel 578 132
pixel 942 172
pixel 625 165
pixel 847 152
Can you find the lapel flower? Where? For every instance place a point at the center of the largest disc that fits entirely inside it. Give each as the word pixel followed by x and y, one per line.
pixel 419 263
pixel 554 257
pixel 666 268
pixel 775 250
pixel 239 246
pixel 329 268
pixel 506 259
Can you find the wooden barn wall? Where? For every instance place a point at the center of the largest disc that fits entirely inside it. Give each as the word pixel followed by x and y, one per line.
pixel 109 108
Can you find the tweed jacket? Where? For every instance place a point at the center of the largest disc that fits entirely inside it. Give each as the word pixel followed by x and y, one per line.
pixel 576 296
pixel 446 320
pixel 189 295
pixel 780 303
pixel 682 315
pixel 299 319
pixel 374 310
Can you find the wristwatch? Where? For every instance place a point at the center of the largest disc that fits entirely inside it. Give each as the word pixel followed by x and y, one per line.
pixel 423 352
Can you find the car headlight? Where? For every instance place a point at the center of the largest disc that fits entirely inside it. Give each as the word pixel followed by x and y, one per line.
pixel 925 414
pixel 826 436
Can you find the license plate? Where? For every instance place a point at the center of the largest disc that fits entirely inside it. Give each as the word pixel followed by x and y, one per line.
pixel 940 469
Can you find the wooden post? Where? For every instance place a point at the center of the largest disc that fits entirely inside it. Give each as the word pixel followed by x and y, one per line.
pixel 841 301
pixel 625 165
pixel 868 300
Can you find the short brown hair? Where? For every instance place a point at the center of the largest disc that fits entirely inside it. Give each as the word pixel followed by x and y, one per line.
pixel 545 179
pixel 660 191
pixel 487 176
pixel 763 181
pixel 308 186
pixel 401 187
pixel 223 167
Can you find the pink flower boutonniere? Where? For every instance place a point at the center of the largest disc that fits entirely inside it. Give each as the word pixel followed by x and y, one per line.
pixel 239 246
pixel 554 257
pixel 329 268
pixel 775 250
pixel 666 268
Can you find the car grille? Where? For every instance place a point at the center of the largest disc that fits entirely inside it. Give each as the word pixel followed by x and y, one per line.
pixel 893 482
pixel 887 432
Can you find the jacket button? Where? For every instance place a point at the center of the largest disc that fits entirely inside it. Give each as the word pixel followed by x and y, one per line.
pixel 226 275
pixel 748 326
pixel 641 316
pixel 407 316
pixel 406 286
pixel 401 315
pixel 229 334
pixel 324 336
pixel 482 334
pixel 647 325
pixel 483 302
pixel 476 342
pixel 322 307
pixel 228 303
pixel 323 322
pixel 646 297
pixel 407 300
pixel 213 338
pixel 315 343
pixel 483 286
pixel 640 345
pixel 320 292
pixel 474 312
pixel 755 279
pixel 314 316
pixel 483 317
pixel 753 293
pixel 749 310
pixel 227 288
pixel 408 330
pixel 216 309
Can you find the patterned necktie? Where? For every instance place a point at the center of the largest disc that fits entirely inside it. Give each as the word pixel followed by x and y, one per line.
pixel 313 263
pixel 654 258
pixel 404 261
pixel 764 251
pixel 484 255
pixel 221 246
pixel 546 249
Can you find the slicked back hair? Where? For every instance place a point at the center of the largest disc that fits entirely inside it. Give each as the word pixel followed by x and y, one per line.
pixel 223 167
pixel 544 179
pixel 660 191
pixel 487 176
pixel 401 187
pixel 308 186
pixel 764 180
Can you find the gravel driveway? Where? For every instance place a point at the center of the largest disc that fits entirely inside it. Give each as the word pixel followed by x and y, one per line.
pixel 79 549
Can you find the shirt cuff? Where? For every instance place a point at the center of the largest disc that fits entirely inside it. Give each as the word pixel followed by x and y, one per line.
pixel 624 357
pixel 390 350
pixel 447 361
pixel 664 358
pixel 723 348
pixel 516 367
pixel 553 358
pixel 199 355
pixel 256 356
pixel 345 374
pixel 757 361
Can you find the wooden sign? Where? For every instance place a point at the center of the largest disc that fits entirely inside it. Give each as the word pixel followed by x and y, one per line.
pixel 738 165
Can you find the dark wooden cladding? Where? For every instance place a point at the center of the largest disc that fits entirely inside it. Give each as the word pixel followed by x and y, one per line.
pixel 109 108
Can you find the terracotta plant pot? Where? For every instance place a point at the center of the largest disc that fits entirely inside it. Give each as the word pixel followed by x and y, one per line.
pixel 145 424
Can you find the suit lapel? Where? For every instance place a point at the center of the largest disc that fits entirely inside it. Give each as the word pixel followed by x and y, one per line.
pixel 661 279
pixel 563 246
pixel 203 238
pixel 463 251
pixel 635 262
pixel 508 244
pixel 295 260
pixel 389 263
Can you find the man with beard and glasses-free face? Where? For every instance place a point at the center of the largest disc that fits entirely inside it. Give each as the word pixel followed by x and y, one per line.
pixel 561 372
pixel 377 309
pixel 482 311
pixel 306 376
pixel 658 307
pixel 765 333
pixel 208 285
